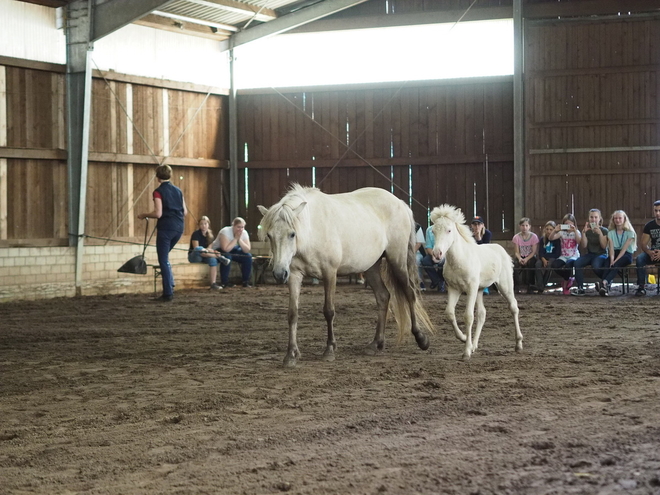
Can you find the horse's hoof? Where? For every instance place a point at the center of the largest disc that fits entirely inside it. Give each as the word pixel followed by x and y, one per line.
pixel 328 356
pixel 290 362
pixel 519 347
pixel 466 356
pixel 373 349
pixel 422 341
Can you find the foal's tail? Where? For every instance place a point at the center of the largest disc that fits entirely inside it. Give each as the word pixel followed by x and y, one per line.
pixel 404 291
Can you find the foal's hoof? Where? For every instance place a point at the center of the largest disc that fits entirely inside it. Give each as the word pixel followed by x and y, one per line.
pixel 466 356
pixel 422 341
pixel 518 346
pixel 289 362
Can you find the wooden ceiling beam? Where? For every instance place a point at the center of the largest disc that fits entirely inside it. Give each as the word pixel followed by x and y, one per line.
pixel 189 28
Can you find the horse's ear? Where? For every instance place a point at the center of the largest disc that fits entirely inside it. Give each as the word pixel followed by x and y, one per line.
pixel 299 208
pixel 262 209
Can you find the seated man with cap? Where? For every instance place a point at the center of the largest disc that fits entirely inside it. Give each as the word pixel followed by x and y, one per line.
pixel 481 234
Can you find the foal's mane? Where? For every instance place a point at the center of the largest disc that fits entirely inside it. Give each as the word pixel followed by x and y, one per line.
pixel 453 214
pixel 283 209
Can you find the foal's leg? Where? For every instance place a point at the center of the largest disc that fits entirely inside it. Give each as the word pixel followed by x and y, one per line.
pixel 472 292
pixel 506 289
pixel 292 353
pixel 450 311
pixel 382 295
pixel 330 285
pixel 481 318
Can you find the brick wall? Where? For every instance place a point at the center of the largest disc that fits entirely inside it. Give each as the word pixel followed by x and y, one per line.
pixel 45 272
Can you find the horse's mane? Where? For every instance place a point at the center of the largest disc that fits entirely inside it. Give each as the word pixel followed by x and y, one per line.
pixel 283 209
pixel 453 214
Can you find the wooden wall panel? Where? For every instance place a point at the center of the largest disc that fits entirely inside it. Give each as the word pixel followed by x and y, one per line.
pixel 442 129
pixel 592 116
pixel 36 199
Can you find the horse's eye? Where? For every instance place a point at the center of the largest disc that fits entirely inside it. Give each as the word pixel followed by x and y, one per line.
pixel 292 235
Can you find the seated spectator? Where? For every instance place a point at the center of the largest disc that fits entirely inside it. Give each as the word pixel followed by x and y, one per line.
pixel 549 251
pixel 199 251
pixel 650 245
pixel 482 235
pixel 621 246
pixel 431 264
pixel 233 242
pixel 570 238
pixel 595 242
pixel 526 246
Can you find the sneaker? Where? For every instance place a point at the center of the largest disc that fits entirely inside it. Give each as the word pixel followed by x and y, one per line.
pixel 571 282
pixel 564 288
pixel 604 290
pixel 597 287
pixel 640 291
pixel 215 286
pixel 486 291
pixel 578 292
pixel 227 285
pixel 247 284
pixel 163 298
pixel 223 260
pixel 422 287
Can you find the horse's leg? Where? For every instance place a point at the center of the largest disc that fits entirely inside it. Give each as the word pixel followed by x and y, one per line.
pixel 507 291
pixel 292 353
pixel 382 295
pixel 330 285
pixel 481 318
pixel 472 292
pixel 450 311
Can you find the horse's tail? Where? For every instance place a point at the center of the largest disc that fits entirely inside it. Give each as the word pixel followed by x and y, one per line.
pixel 399 303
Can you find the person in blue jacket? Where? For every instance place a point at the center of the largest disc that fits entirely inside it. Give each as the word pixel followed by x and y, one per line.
pixel 170 210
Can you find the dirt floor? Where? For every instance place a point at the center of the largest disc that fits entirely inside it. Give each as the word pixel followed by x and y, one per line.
pixel 122 395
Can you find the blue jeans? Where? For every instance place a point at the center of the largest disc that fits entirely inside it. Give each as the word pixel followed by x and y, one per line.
pixel 597 261
pixel 243 259
pixel 563 268
pixel 643 260
pixel 625 260
pixel 195 256
pixel 434 270
pixel 165 241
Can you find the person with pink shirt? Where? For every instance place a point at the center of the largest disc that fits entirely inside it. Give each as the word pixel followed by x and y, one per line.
pixel 526 245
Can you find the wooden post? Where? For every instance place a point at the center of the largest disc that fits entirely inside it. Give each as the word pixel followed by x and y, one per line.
pixel 129 167
pixel 3 161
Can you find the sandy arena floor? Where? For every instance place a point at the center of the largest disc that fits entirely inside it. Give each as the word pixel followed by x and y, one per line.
pixel 121 395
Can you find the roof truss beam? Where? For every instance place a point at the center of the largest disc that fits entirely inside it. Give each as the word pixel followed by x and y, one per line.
pixel 290 21
pixel 115 14
pixel 259 14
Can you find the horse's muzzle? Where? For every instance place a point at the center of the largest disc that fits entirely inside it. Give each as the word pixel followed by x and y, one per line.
pixel 281 276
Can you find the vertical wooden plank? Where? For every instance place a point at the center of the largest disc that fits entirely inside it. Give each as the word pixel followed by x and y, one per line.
pixel 165 115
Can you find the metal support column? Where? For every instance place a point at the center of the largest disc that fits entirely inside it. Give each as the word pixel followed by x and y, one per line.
pixel 78 102
pixel 233 138
pixel 518 116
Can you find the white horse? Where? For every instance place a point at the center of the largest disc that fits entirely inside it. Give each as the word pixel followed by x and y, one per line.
pixel 369 230
pixel 469 267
